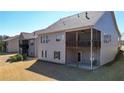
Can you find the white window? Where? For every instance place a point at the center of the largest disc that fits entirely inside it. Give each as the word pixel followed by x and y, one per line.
pixel 45 53
pixel 44 39
pixel 57 55
pixel 42 53
pixel 47 40
pixel 107 38
pixel 59 36
pixel 32 42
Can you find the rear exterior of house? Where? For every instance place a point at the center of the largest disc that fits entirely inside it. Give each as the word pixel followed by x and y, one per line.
pixel 51 47
pixel 11 45
pixel 87 40
pixel 27 44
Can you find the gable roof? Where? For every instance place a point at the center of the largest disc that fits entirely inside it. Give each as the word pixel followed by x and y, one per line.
pixel 83 19
pixel 80 20
pixel 27 36
pixel 11 38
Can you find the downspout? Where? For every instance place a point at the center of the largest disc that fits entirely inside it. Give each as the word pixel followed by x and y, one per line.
pixel 77 46
pixel 91 49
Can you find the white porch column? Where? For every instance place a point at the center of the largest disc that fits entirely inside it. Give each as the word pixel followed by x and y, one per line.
pixel 91 48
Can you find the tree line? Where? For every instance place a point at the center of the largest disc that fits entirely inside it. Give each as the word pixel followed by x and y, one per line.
pixel 2 43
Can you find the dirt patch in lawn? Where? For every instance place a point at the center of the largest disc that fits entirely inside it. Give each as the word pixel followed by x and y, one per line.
pixel 3 58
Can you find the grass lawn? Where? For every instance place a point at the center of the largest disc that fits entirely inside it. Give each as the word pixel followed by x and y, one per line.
pixel 1 53
pixel 17 70
pixel 32 70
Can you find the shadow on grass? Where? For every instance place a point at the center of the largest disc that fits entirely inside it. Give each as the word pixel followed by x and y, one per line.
pixel 119 56
pixel 57 71
pixel 66 73
pixel 26 60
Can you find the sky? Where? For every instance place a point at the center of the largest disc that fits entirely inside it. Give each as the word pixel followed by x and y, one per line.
pixel 14 22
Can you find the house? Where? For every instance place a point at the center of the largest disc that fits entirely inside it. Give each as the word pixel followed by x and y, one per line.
pixel 11 44
pixel 87 40
pixel 122 42
pixel 27 44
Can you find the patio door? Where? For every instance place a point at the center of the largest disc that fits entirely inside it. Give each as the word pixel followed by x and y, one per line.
pixel 79 57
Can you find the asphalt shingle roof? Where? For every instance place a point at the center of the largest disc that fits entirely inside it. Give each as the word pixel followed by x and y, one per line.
pixel 84 19
pixel 28 35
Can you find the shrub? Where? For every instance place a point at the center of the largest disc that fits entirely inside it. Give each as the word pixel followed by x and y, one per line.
pixel 19 57
pixel 24 56
pixel 13 59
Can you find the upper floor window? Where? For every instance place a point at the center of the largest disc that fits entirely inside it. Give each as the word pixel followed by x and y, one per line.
pixel 7 43
pixel 32 42
pixel 59 36
pixel 107 38
pixel 44 39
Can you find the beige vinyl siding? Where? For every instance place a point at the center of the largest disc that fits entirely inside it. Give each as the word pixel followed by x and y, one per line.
pixel 13 45
pixel 51 47
pixel 107 26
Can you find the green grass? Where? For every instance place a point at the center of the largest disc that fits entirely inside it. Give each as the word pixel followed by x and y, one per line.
pixel 1 53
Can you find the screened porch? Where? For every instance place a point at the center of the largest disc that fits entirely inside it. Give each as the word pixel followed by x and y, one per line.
pixel 83 48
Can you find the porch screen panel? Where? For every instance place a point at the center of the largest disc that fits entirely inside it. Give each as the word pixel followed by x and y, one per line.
pixel 96 38
pixel 84 38
pixel 71 39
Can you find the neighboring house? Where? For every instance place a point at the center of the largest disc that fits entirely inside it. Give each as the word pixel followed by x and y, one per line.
pixel 87 40
pixel 122 42
pixel 27 44
pixel 11 44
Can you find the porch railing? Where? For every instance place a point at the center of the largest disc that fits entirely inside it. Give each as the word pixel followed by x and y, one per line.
pixel 85 43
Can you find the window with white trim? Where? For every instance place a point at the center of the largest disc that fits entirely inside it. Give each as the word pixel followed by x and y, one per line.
pixel 59 36
pixel 32 42
pixel 42 53
pixel 107 38
pixel 44 39
pixel 57 55
pixel 45 53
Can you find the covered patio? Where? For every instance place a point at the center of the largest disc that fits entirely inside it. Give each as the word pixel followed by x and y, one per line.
pixel 83 48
